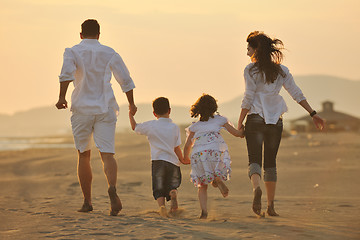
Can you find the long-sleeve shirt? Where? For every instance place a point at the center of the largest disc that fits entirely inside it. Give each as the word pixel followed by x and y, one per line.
pixel 89 65
pixel 264 99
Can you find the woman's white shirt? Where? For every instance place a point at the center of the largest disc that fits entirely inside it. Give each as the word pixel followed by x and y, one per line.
pixel 264 99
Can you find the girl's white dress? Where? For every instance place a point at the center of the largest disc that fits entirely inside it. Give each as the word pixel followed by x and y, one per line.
pixel 209 156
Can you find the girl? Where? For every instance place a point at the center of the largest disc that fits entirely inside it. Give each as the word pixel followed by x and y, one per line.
pixel 210 159
pixel 263 106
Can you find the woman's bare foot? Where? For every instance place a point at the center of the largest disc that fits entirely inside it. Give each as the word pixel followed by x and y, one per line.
pixel 115 202
pixel 86 207
pixel 203 215
pixel 257 201
pixel 222 187
pixel 163 211
pixel 271 211
pixel 174 203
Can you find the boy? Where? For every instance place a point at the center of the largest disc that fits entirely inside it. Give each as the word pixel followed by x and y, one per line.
pixel 166 155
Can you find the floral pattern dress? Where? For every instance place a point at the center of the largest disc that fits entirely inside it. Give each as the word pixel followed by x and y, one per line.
pixel 209 156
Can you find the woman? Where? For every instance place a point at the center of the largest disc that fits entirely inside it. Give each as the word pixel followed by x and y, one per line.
pixel 264 107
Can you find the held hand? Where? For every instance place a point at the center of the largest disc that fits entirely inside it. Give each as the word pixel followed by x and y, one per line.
pixel 319 122
pixel 61 104
pixel 242 131
pixel 186 160
pixel 132 109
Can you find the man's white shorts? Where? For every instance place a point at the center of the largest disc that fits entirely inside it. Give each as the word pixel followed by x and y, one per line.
pixel 102 126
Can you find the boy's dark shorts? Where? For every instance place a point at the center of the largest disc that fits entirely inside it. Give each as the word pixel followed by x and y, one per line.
pixel 165 177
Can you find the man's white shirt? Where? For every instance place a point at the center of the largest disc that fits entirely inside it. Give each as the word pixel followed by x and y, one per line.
pixel 89 65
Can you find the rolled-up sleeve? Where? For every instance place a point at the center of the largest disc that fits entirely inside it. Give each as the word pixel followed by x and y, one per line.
pixel 121 73
pixel 69 67
pixel 250 88
pixel 291 87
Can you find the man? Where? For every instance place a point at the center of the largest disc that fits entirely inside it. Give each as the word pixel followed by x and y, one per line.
pixel 94 108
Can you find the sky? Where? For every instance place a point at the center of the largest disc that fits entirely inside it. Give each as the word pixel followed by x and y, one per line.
pixel 173 48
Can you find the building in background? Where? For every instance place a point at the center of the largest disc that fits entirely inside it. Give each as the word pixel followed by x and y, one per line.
pixel 335 121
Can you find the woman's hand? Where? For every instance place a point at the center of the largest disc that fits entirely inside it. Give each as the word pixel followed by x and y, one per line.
pixel 318 121
pixel 241 128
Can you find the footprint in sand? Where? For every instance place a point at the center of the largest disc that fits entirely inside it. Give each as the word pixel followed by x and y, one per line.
pixel 177 214
pixel 345 205
pixel 169 235
pixel 129 187
pixel 71 190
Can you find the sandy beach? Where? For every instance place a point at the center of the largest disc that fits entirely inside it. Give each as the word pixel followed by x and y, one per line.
pixel 318 194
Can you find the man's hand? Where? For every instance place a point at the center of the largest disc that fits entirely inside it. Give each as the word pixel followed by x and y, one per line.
pixel 61 104
pixel 132 109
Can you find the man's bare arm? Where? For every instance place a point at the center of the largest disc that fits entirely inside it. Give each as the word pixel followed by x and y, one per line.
pixel 130 98
pixel 62 103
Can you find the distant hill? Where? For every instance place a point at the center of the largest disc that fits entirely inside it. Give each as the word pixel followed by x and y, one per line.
pixel 343 92
pixel 46 121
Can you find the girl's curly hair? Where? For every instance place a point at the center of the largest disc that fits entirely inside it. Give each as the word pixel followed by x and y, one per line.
pixel 205 106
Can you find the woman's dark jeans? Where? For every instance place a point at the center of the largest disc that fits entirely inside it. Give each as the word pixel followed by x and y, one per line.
pixel 257 134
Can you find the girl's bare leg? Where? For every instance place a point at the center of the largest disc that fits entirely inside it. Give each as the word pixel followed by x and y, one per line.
pixel 222 187
pixel 202 194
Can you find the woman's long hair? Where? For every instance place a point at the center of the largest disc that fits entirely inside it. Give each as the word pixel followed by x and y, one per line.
pixel 268 55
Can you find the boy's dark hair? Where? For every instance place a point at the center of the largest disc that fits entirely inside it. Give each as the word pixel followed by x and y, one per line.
pixel 161 105
pixel 205 106
pixel 90 28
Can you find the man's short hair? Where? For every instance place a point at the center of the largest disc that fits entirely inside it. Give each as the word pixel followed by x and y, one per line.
pixel 161 105
pixel 90 28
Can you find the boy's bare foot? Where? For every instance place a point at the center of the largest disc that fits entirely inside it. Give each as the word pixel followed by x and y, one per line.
pixel 257 201
pixel 116 205
pixel 271 211
pixel 203 215
pixel 223 188
pixel 163 211
pixel 174 202
pixel 86 207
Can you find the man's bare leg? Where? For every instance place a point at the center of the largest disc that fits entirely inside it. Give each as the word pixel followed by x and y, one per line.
pixel 110 169
pixel 85 179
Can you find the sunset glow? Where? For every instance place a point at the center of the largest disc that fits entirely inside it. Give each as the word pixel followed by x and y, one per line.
pixel 177 49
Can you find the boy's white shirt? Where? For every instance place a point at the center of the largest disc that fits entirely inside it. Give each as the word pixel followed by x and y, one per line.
pixel 163 136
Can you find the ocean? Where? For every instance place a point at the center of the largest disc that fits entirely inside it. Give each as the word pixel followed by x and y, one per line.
pixel 15 144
